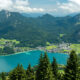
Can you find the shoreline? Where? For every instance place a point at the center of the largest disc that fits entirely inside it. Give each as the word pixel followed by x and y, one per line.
pixel 33 50
pixel 14 53
pixel 18 53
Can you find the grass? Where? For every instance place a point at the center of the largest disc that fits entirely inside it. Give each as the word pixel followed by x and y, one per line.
pixel 61 71
pixel 75 47
pixel 61 35
pixel 51 47
pixel 77 23
pixel 2 41
pixel 0 78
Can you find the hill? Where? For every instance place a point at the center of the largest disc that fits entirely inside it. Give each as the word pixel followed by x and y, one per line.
pixel 34 32
pixel 34 15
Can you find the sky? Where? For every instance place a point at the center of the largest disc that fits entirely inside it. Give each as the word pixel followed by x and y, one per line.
pixel 54 7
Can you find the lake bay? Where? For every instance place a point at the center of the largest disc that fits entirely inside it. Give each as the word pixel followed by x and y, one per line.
pixel 9 62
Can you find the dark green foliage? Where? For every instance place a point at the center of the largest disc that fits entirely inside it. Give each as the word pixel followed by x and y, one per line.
pixel 13 75
pixel 71 70
pixel 30 73
pixel 17 74
pixel 78 75
pixel 1 50
pixel 60 76
pixel 39 73
pixel 8 50
pixel 55 68
pixel 44 71
pixel 47 72
pixel 3 76
pixel 34 32
pixel 20 72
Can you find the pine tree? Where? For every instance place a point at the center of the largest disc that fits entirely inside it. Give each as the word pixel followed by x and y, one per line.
pixel 3 76
pixel 20 72
pixel 78 75
pixel 39 72
pixel 44 71
pixel 30 73
pixel 55 68
pixel 17 74
pixel 71 69
pixel 13 75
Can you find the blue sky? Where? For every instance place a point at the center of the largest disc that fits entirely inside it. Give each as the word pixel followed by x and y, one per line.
pixel 54 7
pixel 49 6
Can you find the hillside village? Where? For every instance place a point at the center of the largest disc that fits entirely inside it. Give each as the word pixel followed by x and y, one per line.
pixel 62 47
pixel 13 45
pixel 54 48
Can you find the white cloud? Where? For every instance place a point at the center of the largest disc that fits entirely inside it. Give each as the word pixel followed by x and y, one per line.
pixel 65 8
pixel 75 1
pixel 18 6
pixel 5 4
pixel 71 6
pixel 62 8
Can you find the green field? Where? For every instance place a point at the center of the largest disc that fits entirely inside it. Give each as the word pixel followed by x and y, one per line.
pixel 51 47
pixel 3 42
pixel 75 47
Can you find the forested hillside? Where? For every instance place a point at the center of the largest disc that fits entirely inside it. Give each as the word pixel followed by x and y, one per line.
pixel 34 32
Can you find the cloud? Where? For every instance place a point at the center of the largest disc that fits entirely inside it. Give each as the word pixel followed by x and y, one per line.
pixel 65 8
pixel 75 1
pixel 59 7
pixel 71 6
pixel 18 6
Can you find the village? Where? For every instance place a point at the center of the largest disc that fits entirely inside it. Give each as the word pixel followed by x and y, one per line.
pixel 52 48
pixel 57 48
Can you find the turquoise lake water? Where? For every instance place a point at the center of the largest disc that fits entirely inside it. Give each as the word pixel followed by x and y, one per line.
pixel 8 63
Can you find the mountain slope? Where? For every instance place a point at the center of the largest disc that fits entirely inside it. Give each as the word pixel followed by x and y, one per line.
pixel 37 31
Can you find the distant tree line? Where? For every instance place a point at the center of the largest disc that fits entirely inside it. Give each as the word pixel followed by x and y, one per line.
pixel 33 32
pixel 7 50
pixel 46 70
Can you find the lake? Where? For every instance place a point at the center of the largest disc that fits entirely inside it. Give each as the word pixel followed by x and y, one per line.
pixel 9 62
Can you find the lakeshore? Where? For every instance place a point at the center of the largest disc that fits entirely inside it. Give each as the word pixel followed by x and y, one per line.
pixel 31 57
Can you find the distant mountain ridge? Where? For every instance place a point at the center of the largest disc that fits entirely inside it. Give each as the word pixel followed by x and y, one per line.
pixel 34 15
pixel 37 31
pixel 74 14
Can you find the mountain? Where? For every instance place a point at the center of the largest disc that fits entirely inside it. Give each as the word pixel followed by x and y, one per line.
pixel 73 14
pixel 26 15
pixel 21 28
pixel 76 34
pixel 37 31
pixel 34 15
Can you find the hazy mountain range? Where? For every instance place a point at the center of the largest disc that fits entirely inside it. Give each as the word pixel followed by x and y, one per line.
pixel 37 31
pixel 34 15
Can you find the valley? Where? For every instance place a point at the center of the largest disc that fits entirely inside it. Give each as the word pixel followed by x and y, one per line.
pixel 39 39
pixel 34 32
pixel 8 47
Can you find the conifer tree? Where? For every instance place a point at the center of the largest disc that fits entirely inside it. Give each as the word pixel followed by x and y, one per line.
pixel 78 75
pixel 44 71
pixel 55 68
pixel 39 72
pixel 30 73
pixel 17 74
pixel 3 76
pixel 20 72
pixel 13 75
pixel 71 69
